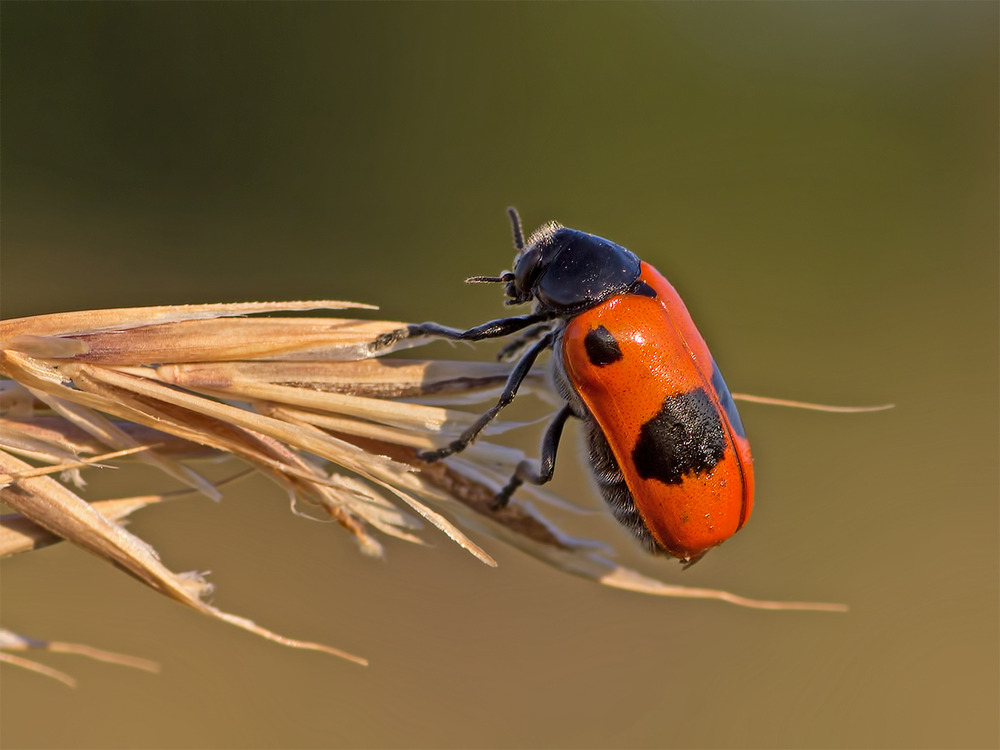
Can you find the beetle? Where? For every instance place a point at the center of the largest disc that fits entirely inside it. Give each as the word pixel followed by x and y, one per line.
pixel 666 442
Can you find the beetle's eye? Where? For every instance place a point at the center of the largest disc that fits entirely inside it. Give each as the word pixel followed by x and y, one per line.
pixel 526 271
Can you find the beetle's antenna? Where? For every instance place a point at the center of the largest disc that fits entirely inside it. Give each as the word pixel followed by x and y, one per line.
pixel 501 279
pixel 515 223
pixel 506 276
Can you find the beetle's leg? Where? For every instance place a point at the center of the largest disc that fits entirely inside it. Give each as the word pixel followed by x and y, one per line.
pixel 526 471
pixel 514 380
pixel 492 329
pixel 510 351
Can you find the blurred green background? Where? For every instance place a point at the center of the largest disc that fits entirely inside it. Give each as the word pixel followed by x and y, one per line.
pixel 819 181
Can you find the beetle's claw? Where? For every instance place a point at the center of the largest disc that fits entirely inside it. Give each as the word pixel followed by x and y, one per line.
pixel 388 339
pixel 500 500
pixel 435 455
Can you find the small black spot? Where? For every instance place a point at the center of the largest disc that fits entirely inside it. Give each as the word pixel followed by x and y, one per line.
pixel 602 349
pixel 685 437
pixel 643 289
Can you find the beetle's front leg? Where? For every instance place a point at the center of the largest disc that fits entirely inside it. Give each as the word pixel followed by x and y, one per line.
pixel 491 330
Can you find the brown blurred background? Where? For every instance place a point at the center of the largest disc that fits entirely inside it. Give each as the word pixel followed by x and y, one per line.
pixel 818 180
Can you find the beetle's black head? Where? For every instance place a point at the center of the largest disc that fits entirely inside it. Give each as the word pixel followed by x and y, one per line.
pixel 564 270
pixel 533 260
pixel 567 271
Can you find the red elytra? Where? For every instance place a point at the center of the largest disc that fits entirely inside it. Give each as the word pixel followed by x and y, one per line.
pixel 666 417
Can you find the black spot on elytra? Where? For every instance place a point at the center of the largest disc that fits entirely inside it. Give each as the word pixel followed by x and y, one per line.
pixel 685 437
pixel 602 348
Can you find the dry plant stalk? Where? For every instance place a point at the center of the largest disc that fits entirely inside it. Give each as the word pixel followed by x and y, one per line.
pixel 287 395
pixel 10 641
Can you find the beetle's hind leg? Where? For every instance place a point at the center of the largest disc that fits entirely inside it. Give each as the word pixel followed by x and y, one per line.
pixel 527 471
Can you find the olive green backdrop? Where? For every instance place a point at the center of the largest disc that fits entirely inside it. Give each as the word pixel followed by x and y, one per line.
pixel 818 180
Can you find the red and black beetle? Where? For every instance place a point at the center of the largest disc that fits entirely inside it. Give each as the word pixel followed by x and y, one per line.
pixel 666 443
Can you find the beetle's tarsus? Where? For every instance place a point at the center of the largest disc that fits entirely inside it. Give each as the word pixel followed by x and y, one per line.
pixel 436 455
pixel 502 499
pixel 388 339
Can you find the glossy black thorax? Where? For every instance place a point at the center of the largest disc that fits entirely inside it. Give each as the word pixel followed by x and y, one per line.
pixel 567 271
